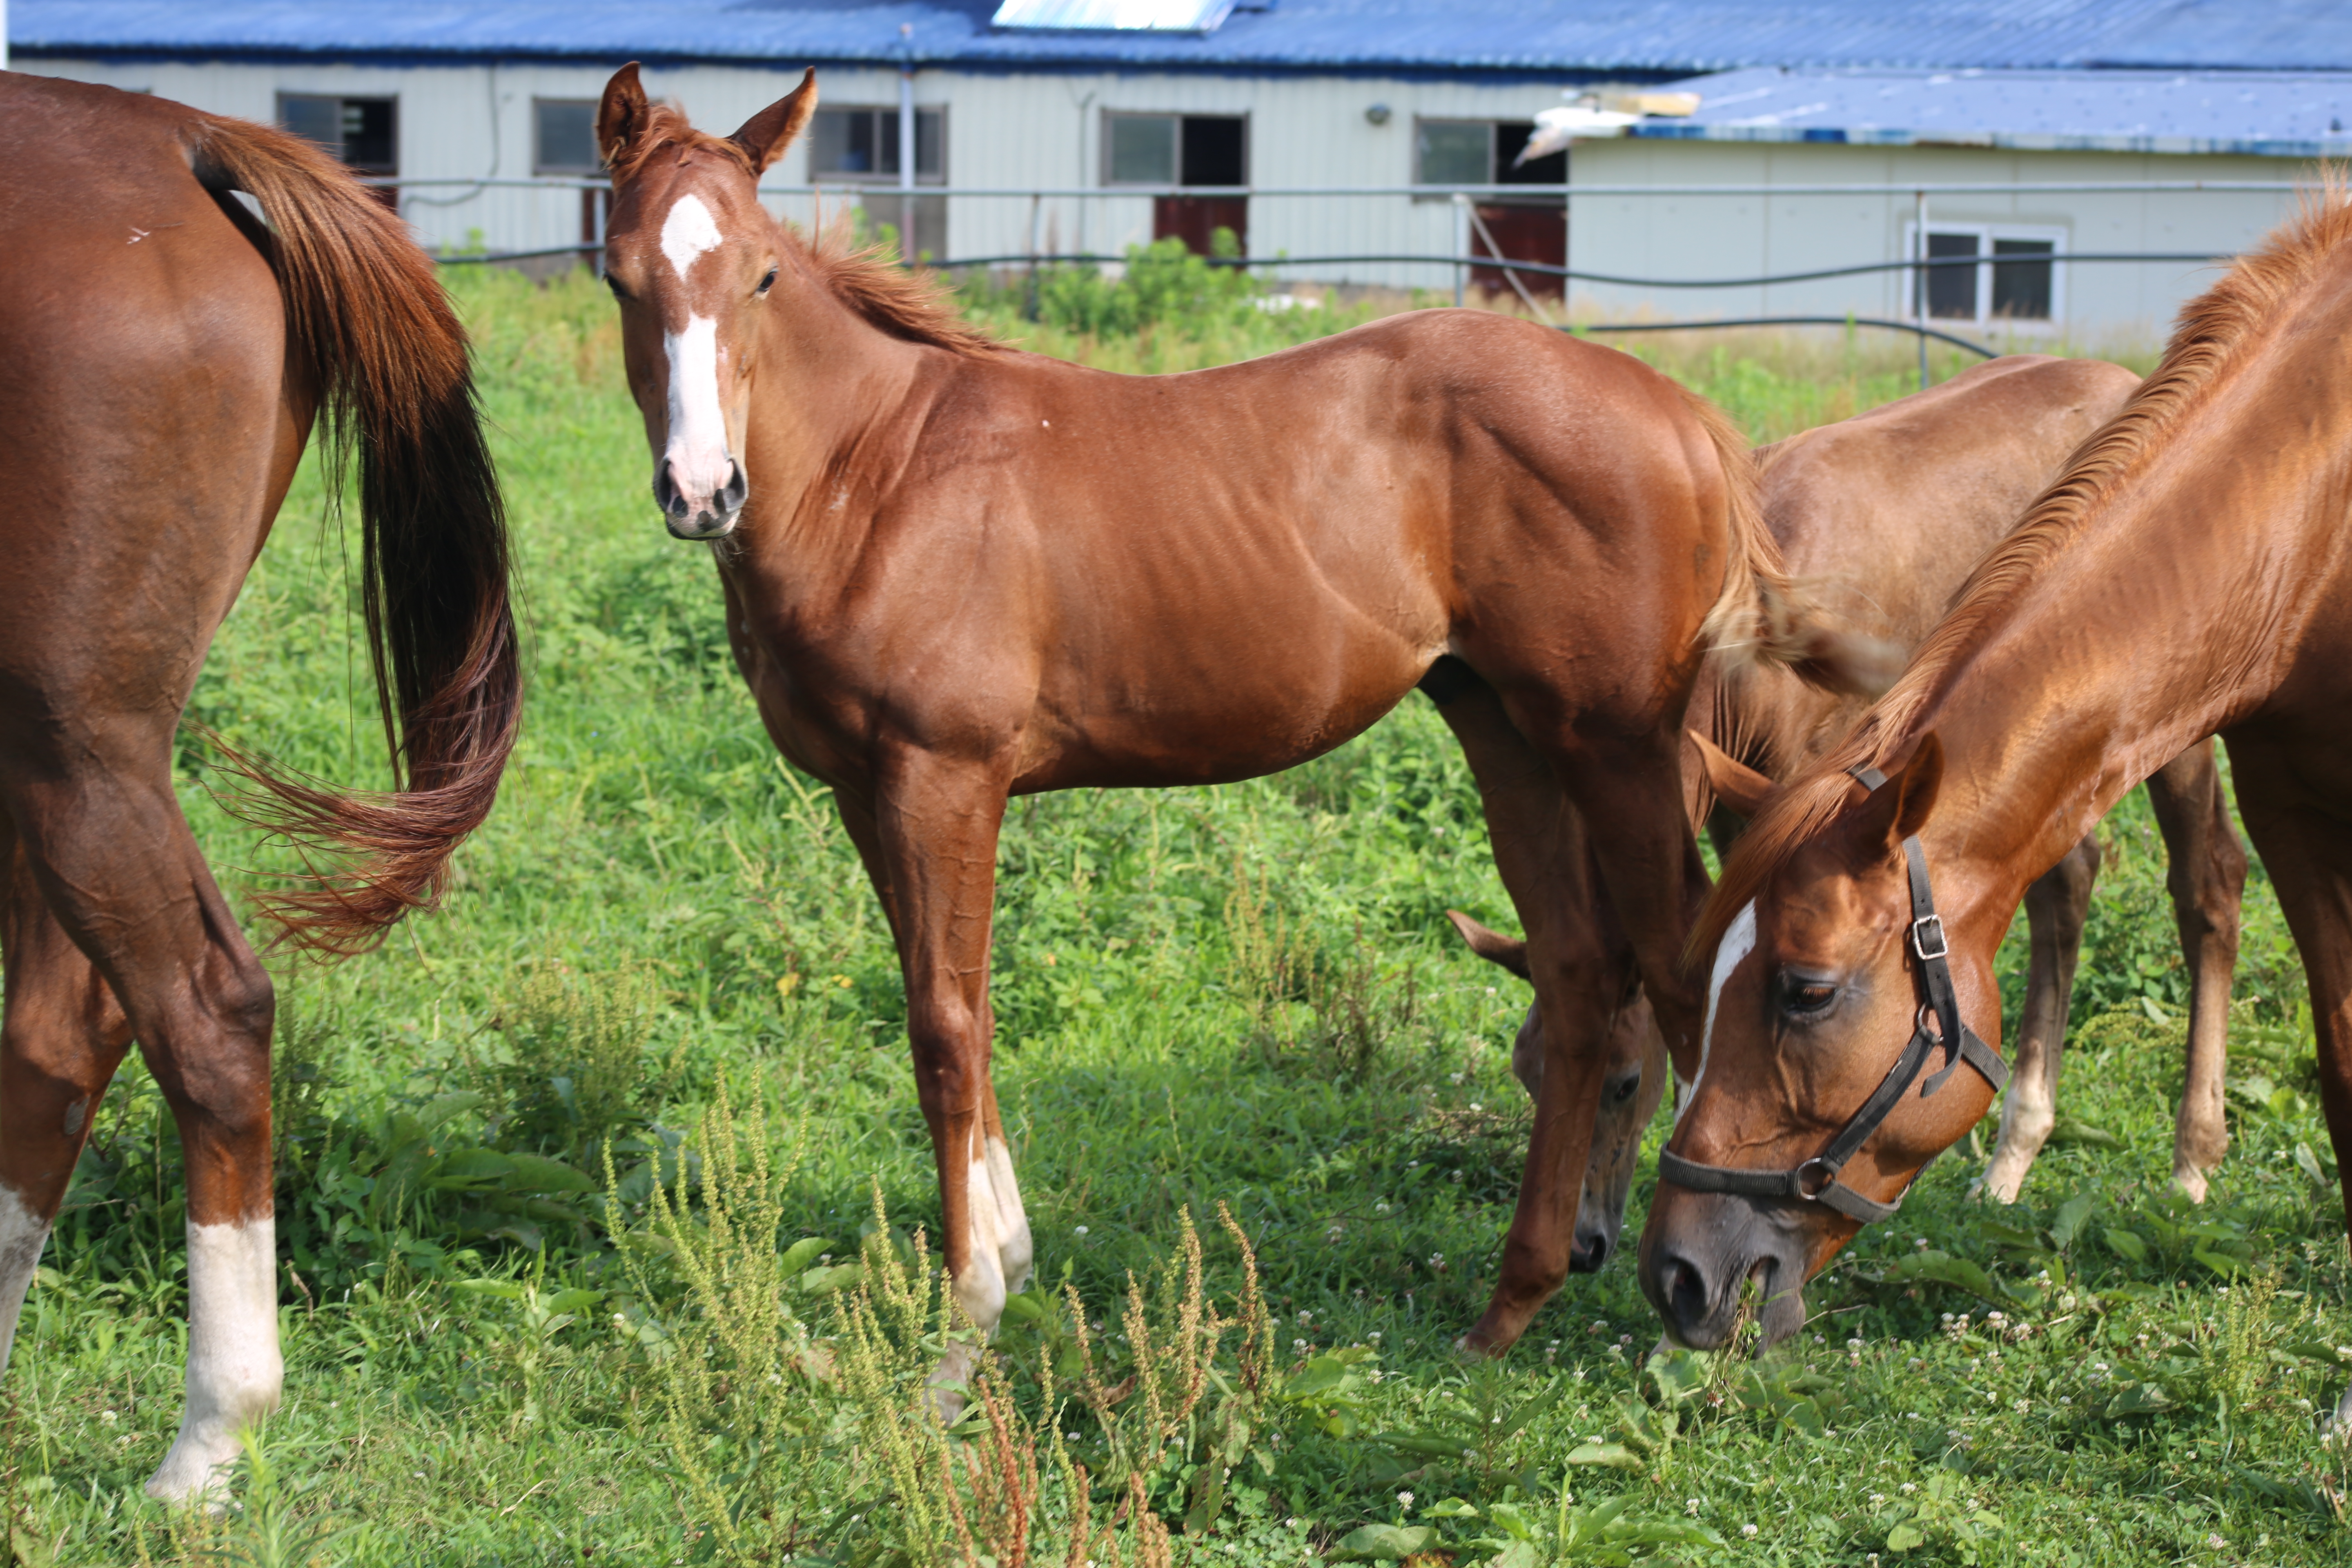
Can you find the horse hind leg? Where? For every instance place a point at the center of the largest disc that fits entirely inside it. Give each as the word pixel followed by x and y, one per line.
pixel 60 1040
pixel 2056 905
pixel 113 857
pixel 2207 878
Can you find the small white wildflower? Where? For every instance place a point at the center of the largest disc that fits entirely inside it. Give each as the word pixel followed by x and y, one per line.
pixel 107 1416
pixel 1691 1508
pixel 1920 1242
pixel 1082 1230
pixel 1298 1344
pixel 2066 1302
pixel 1474 1106
pixel 1749 1531
pixel 1404 1499
pixel 1453 1078
pixel 2216 1543
pixel 1910 1486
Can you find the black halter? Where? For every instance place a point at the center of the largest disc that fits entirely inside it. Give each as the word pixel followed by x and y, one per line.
pixel 1816 1181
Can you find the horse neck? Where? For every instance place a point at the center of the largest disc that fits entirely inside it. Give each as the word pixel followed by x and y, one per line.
pixel 2174 609
pixel 827 378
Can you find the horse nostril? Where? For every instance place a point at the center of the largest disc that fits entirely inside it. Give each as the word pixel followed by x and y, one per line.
pixel 666 492
pixel 1588 1253
pixel 1686 1292
pixel 730 498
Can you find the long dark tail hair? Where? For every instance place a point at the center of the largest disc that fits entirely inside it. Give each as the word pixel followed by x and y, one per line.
pixel 368 325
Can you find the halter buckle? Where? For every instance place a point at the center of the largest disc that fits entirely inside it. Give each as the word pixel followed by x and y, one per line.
pixel 1812 1194
pixel 1920 938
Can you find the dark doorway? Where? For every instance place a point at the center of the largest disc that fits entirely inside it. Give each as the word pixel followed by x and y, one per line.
pixel 1526 228
pixel 1523 234
pixel 1214 150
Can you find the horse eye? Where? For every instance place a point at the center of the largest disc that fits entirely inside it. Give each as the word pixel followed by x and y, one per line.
pixel 615 285
pixel 1624 1090
pixel 769 281
pixel 1804 999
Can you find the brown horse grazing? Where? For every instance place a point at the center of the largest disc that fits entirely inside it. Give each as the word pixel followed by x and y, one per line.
pixel 954 572
pixel 166 355
pixel 1850 505
pixel 2185 576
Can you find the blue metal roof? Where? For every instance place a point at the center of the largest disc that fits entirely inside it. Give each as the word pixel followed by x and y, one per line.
pixel 2277 114
pixel 1577 39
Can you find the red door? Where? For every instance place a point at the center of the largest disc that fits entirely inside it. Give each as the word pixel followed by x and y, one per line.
pixel 1194 220
pixel 1522 234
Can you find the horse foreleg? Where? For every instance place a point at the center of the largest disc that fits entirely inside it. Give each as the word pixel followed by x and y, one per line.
pixel 113 859
pixel 2207 879
pixel 935 825
pixel 60 1041
pixel 2055 908
pixel 2308 853
pixel 1540 849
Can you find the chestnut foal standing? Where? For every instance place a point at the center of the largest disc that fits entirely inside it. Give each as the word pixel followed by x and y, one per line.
pixel 954 572
pixel 166 356
pixel 2186 575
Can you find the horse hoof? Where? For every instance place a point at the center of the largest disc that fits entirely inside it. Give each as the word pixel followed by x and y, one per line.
pixel 2190 1181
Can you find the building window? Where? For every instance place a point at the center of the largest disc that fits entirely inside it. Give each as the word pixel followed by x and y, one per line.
pixel 1205 150
pixel 365 133
pixel 2015 279
pixel 1175 148
pixel 1481 152
pixel 862 144
pixel 563 136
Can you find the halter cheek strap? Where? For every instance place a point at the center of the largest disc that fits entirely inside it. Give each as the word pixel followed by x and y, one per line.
pixel 1816 1181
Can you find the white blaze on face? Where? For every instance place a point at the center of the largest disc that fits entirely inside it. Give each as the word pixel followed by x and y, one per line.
pixel 234 1372
pixel 686 233
pixel 699 463
pixel 1738 941
pixel 22 1235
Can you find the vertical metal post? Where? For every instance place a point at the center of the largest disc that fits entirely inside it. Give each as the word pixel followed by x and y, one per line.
pixel 1029 300
pixel 1919 223
pixel 1461 247
pixel 906 158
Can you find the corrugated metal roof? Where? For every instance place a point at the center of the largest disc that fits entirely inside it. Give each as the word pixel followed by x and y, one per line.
pixel 2285 114
pixel 1652 38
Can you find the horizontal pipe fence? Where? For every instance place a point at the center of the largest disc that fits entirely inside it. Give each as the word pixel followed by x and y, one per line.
pixel 1448 214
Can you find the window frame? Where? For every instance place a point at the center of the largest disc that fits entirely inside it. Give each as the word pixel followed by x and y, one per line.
pixel 890 180
pixel 1421 121
pixel 538 163
pixel 1985 234
pixel 1176 117
pixel 371 170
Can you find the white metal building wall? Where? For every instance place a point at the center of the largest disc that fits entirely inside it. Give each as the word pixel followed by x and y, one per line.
pixel 1038 131
pixel 1720 236
pixel 1044 131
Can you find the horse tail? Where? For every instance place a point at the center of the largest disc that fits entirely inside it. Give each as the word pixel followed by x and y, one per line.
pixel 370 331
pixel 1761 616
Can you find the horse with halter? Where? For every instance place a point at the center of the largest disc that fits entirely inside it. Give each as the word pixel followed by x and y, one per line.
pixel 954 572
pixel 168 354
pixel 1850 504
pixel 2185 576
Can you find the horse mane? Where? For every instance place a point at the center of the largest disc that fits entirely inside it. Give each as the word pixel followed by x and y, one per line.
pixel 902 301
pixel 2211 334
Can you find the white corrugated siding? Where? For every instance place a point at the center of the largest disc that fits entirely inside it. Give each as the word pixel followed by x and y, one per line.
pixel 1044 131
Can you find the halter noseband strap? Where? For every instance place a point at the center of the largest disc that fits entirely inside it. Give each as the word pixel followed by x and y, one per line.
pixel 1816 1181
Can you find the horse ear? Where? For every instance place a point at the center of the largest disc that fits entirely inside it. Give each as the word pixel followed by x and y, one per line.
pixel 1734 784
pixel 766 134
pixel 1901 807
pixel 620 116
pixel 1490 944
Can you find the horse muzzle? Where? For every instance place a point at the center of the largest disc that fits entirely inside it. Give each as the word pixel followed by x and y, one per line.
pixel 699 511
pixel 1696 1267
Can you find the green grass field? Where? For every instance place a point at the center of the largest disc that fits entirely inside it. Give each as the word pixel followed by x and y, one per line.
pixel 662 952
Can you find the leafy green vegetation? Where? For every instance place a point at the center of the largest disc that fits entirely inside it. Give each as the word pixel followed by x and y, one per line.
pixel 604 1193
